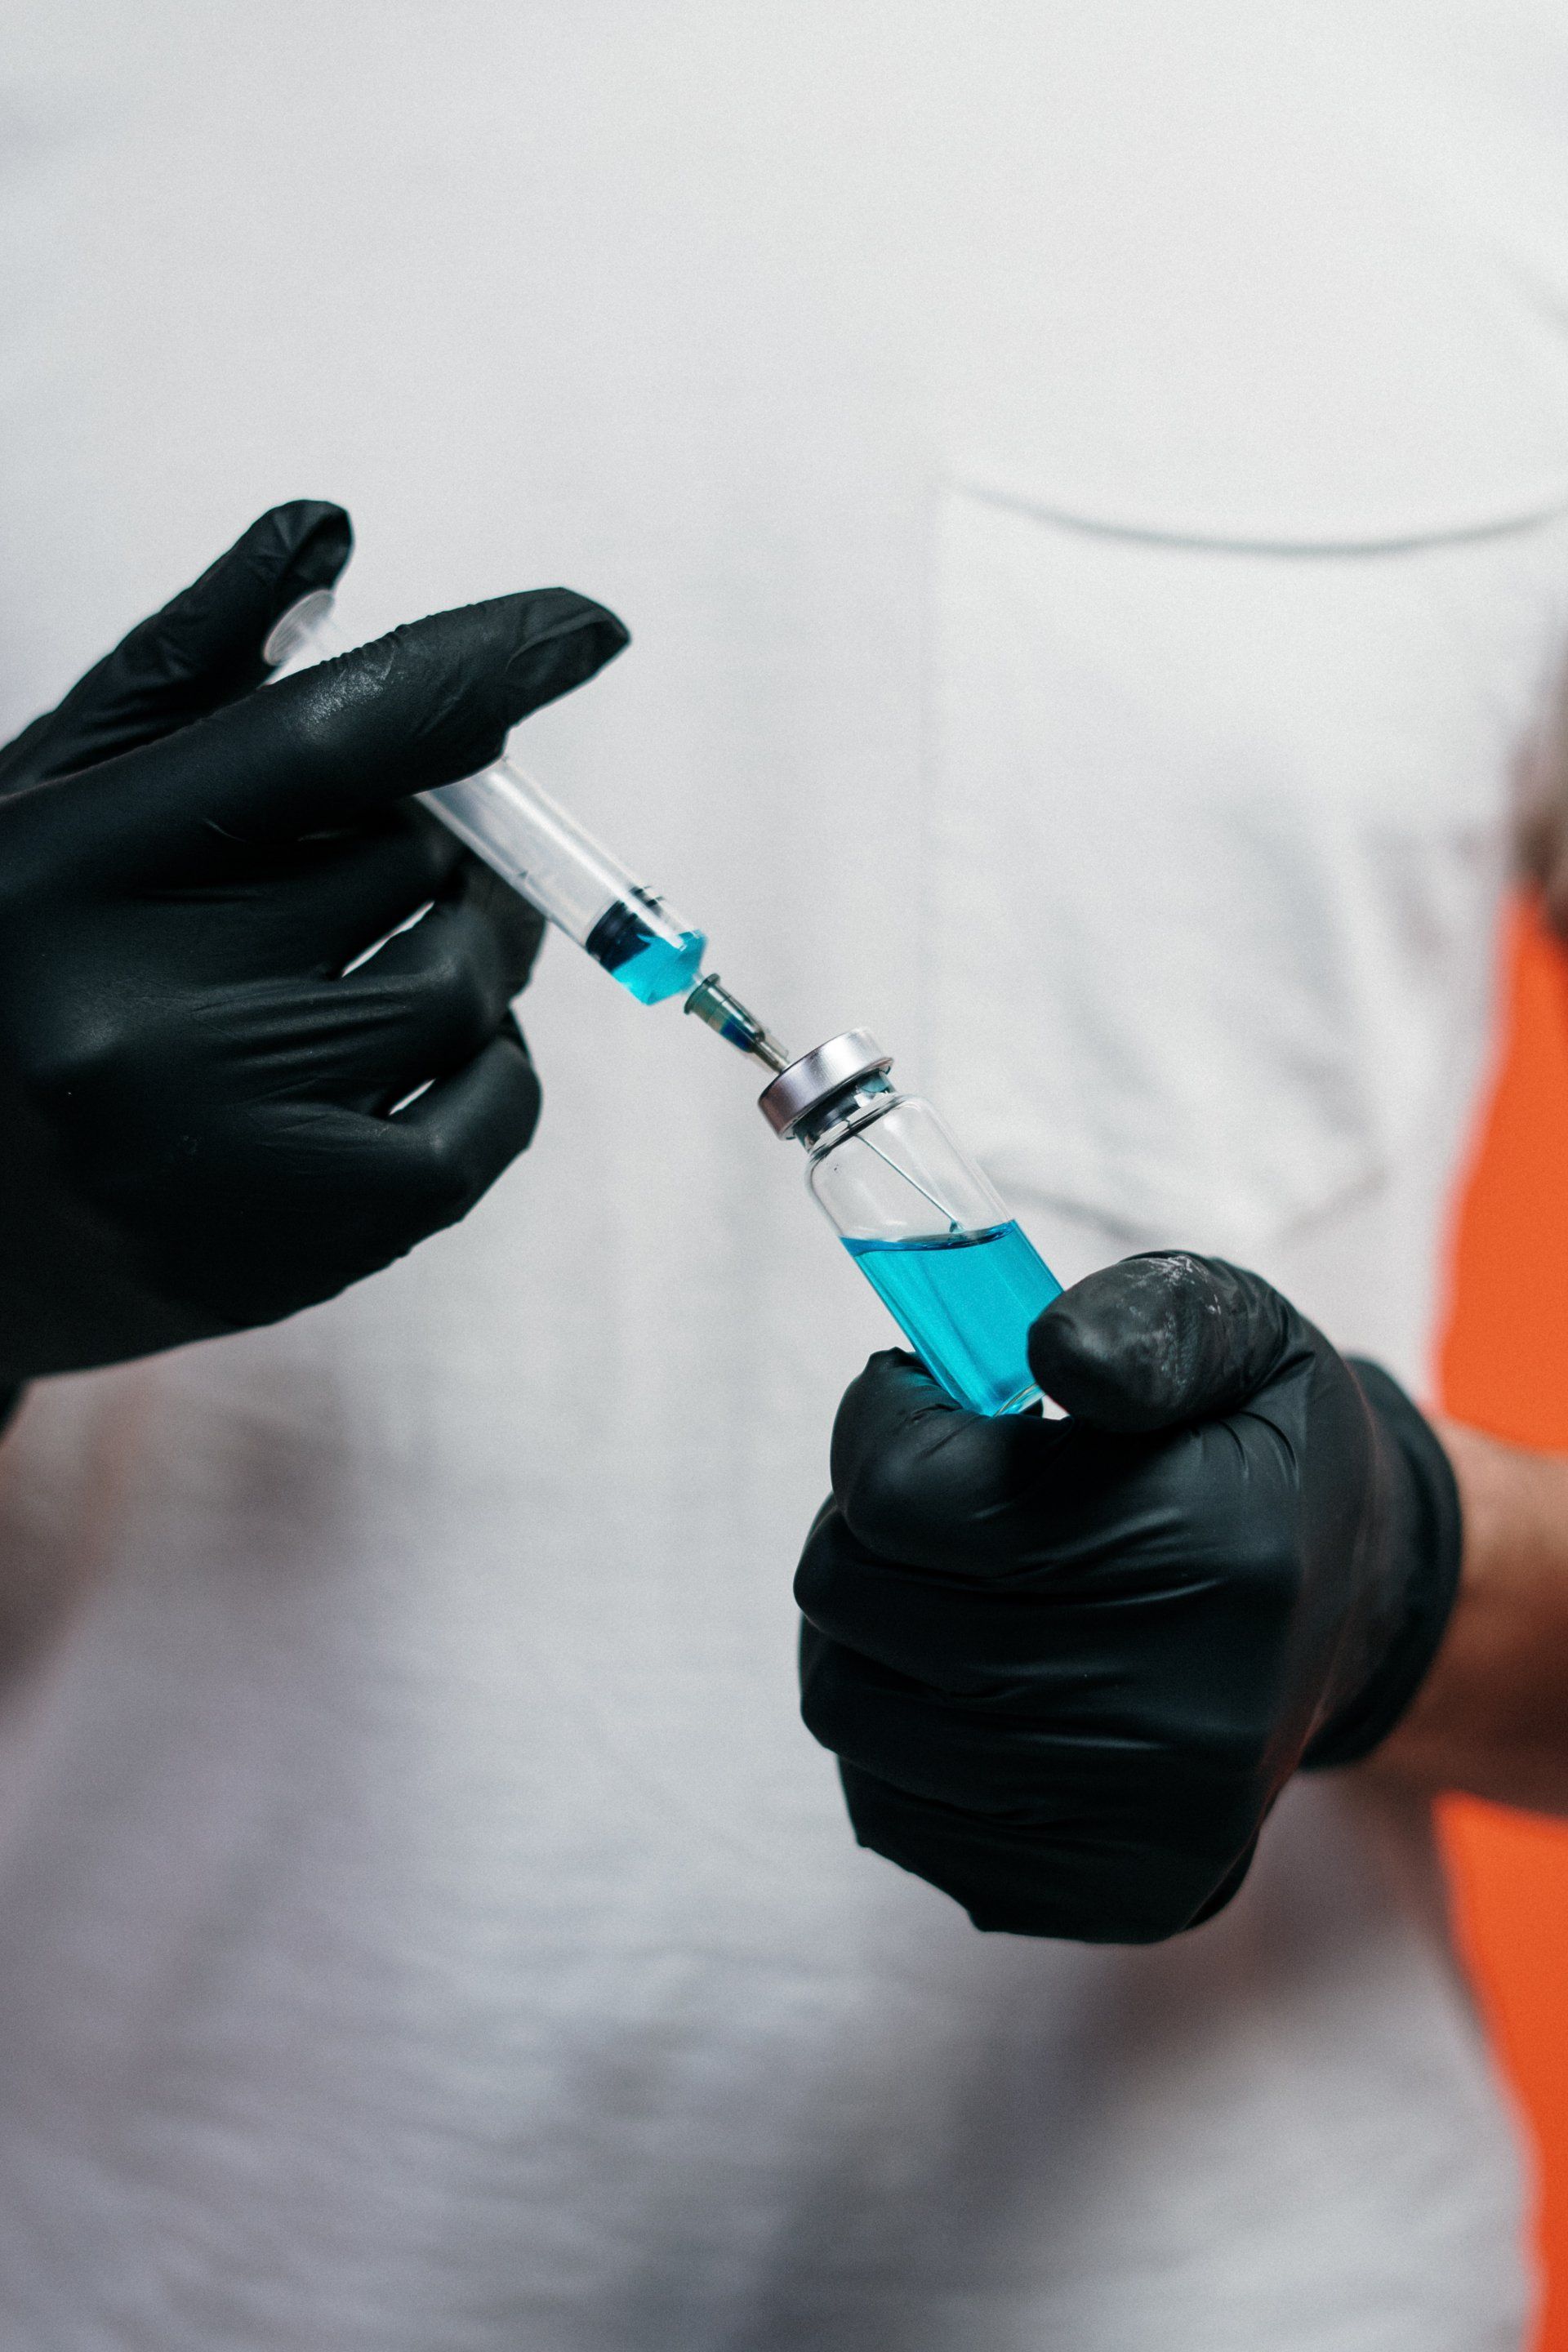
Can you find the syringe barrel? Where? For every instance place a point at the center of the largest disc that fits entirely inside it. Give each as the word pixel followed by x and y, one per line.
pixel 509 820
pixel 514 825
pixel 504 817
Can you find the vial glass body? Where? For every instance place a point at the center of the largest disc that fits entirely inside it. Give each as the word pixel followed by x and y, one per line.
pixel 932 1235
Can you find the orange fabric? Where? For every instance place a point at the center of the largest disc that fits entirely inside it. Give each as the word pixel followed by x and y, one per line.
pixel 1505 1367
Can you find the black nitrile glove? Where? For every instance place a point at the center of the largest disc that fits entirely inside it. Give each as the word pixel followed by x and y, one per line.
pixel 196 1127
pixel 1068 1667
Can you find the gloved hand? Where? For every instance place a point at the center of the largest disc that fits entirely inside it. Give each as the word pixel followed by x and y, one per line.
pixel 197 1108
pixel 1068 1667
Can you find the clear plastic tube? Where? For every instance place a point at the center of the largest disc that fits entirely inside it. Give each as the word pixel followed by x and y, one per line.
pixel 507 819
pixel 514 825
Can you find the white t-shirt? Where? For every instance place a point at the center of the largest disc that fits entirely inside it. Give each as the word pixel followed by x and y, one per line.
pixel 1088 486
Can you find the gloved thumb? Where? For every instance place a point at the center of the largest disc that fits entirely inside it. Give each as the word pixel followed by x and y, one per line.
pixel 1160 1340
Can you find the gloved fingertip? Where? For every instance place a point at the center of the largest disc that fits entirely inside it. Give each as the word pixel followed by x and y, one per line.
pixel 893 1387
pixel 1080 1366
pixel 503 657
pixel 906 1460
pixel 315 538
pixel 1157 1340
pixel 219 623
pixel 284 553
pixel 562 640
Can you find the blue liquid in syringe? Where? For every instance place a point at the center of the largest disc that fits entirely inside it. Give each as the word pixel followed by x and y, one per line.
pixel 658 969
pixel 965 1302
pixel 633 952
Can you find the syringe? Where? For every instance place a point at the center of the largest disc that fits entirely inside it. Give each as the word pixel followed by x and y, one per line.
pixel 507 819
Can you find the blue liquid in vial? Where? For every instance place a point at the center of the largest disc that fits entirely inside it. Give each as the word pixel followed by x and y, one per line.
pixel 965 1302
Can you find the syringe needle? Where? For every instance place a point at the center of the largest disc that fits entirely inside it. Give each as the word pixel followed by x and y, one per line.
pixel 712 1004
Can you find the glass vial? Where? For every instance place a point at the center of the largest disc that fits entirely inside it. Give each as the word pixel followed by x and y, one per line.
pixel 957 1273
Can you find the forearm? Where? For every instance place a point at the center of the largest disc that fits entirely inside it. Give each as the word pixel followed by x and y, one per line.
pixel 1491 1717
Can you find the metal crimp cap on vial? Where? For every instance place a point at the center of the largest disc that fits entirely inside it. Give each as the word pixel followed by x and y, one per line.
pixel 823 1072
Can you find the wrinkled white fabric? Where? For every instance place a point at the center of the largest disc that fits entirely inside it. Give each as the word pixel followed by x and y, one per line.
pixel 1088 486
